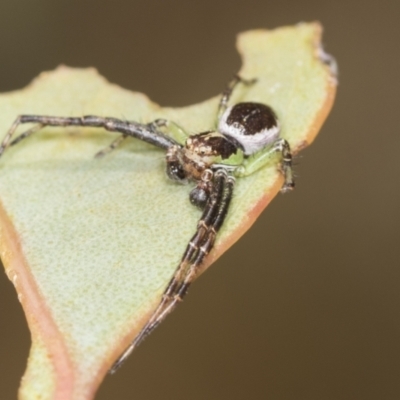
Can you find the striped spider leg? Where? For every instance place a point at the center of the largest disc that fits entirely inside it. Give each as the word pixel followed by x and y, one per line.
pixel 127 128
pixel 244 139
pixel 214 213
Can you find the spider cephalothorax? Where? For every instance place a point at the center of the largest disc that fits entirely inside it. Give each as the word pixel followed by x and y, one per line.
pixel 244 139
pixel 200 152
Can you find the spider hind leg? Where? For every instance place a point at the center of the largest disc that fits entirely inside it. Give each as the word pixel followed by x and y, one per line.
pixel 227 93
pixel 256 161
pixel 282 146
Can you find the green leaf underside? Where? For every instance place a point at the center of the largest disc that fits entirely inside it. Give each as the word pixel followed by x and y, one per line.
pixel 102 238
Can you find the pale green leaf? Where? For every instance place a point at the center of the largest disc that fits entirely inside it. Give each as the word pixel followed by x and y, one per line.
pixel 90 244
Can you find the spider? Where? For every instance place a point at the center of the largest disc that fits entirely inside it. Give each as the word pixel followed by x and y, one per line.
pixel 244 139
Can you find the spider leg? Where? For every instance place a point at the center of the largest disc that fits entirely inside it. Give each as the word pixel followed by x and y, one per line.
pixel 113 145
pixel 26 134
pixel 258 160
pixel 171 128
pixel 283 147
pixel 197 249
pixel 201 243
pixel 226 94
pixel 204 249
pixel 127 128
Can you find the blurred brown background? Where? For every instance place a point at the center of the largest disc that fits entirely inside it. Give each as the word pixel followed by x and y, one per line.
pixel 307 304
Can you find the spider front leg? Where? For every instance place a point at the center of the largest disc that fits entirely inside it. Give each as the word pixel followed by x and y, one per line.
pixel 112 146
pixel 127 128
pixel 198 248
pixel 171 129
pixel 256 161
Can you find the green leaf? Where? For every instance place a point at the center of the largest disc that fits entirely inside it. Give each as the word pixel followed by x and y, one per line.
pixel 90 244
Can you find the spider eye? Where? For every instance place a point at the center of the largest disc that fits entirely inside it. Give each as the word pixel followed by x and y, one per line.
pixel 202 150
pixel 175 171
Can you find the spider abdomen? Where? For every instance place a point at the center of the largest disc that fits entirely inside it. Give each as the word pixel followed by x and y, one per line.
pixel 252 125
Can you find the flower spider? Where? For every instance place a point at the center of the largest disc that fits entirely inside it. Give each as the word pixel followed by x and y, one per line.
pixel 245 137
